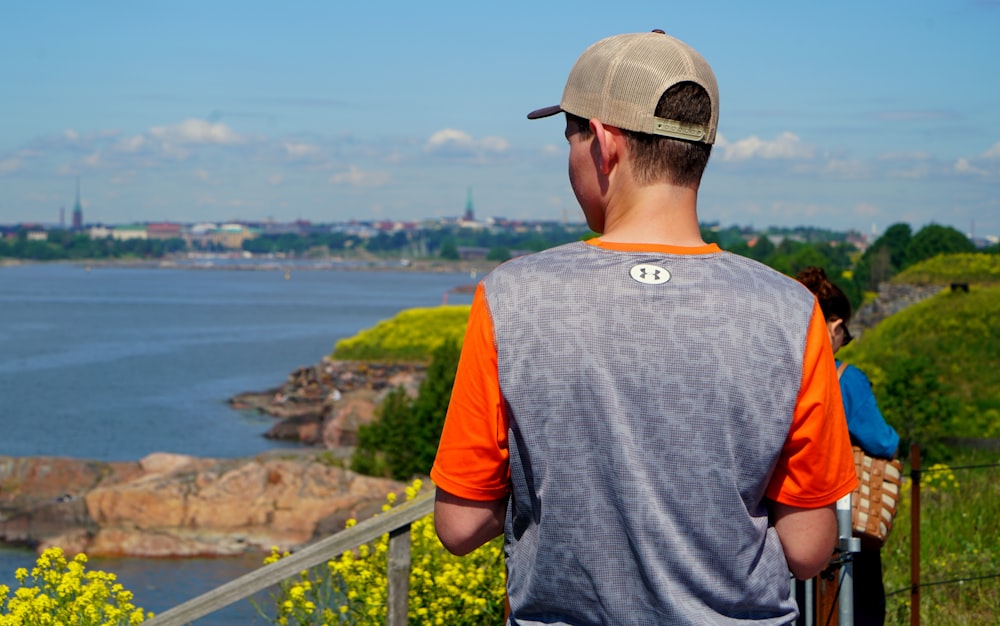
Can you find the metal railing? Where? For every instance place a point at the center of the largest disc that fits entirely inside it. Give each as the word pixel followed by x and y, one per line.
pixel 396 522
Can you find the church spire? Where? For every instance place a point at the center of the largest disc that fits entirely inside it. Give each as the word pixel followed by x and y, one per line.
pixel 77 209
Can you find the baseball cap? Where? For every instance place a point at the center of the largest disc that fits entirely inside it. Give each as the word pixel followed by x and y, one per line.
pixel 619 80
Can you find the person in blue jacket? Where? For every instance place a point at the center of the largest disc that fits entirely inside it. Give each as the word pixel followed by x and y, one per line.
pixel 868 429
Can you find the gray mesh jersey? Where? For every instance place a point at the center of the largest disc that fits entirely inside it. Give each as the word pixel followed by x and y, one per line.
pixel 645 421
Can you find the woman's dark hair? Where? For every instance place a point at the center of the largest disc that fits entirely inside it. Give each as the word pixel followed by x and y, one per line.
pixel 832 300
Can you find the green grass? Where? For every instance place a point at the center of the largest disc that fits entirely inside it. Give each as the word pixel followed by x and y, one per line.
pixel 975 268
pixel 959 531
pixel 958 334
pixel 954 337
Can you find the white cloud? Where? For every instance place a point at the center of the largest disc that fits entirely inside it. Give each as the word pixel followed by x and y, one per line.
pixel 906 156
pixel 495 144
pixel 93 160
pixel 964 166
pixel 71 135
pixel 194 131
pixel 845 168
pixel 297 150
pixel 130 144
pixel 452 142
pixel 9 165
pixel 915 172
pixel 449 139
pixel 276 179
pixel 356 177
pixel 786 146
pixel 993 152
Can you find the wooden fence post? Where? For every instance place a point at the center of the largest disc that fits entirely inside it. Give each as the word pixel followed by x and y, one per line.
pixel 915 535
pixel 398 576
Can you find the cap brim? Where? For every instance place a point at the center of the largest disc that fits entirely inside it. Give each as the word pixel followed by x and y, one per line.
pixel 546 112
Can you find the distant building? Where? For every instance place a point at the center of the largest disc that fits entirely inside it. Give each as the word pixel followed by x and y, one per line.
pixel 98 232
pixel 126 232
pixel 163 230
pixel 77 209
pixel 232 236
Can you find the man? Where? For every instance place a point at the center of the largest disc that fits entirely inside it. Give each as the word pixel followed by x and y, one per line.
pixel 654 424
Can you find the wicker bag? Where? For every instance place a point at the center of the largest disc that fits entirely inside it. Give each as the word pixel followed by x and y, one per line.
pixel 874 502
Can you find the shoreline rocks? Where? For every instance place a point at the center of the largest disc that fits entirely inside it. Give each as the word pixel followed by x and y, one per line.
pixel 169 505
pixel 172 505
pixel 324 404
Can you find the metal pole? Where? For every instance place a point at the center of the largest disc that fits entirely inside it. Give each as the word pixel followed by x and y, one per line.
pixel 849 545
pixel 809 588
pixel 915 535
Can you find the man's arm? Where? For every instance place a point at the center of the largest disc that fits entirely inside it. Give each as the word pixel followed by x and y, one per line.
pixel 463 525
pixel 808 537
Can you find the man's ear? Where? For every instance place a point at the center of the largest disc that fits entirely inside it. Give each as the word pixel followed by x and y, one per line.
pixel 609 144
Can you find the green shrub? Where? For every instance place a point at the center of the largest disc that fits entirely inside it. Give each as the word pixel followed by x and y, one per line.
pixel 402 440
pixel 410 336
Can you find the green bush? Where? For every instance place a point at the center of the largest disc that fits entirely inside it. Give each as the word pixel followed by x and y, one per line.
pixel 402 441
pixel 410 336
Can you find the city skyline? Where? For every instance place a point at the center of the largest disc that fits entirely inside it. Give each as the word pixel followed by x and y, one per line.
pixel 848 117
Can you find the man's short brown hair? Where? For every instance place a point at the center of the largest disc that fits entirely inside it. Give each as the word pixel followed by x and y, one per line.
pixel 663 159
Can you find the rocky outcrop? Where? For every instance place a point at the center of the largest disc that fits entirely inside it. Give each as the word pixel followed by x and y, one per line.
pixel 175 505
pixel 891 299
pixel 323 405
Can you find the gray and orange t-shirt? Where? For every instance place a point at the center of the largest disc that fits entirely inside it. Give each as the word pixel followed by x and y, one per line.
pixel 639 404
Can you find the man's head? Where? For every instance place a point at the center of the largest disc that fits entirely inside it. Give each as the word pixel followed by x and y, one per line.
pixel 658 89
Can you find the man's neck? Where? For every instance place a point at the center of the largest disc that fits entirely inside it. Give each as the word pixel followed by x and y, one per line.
pixel 657 214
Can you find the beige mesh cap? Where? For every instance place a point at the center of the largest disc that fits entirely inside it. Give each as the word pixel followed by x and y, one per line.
pixel 619 80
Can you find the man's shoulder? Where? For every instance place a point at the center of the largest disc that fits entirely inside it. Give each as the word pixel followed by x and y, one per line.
pixel 761 273
pixel 542 257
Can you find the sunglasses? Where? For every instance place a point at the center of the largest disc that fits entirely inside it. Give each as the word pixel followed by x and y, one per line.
pixel 847 334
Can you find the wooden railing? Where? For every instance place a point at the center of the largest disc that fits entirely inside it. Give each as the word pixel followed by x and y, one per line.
pixel 396 522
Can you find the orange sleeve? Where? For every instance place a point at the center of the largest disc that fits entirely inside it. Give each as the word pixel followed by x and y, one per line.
pixel 816 466
pixel 472 456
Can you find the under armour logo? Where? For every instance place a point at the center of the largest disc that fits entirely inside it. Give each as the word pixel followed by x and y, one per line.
pixel 649 274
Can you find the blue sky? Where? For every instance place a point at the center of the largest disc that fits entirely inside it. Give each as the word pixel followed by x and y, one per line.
pixel 840 115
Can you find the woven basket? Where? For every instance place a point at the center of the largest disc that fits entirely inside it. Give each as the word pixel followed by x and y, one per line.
pixel 874 502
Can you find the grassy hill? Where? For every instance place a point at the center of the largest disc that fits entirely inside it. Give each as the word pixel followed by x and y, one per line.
pixel 974 268
pixel 939 360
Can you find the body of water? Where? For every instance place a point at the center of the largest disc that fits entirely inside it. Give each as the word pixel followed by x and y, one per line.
pixel 113 363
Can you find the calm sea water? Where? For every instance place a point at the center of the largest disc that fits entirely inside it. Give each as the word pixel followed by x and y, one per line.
pixel 113 363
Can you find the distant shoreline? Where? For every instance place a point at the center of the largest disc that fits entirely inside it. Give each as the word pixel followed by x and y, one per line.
pixel 228 263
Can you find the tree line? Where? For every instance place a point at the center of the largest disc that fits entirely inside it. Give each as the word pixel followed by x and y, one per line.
pixel 786 250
